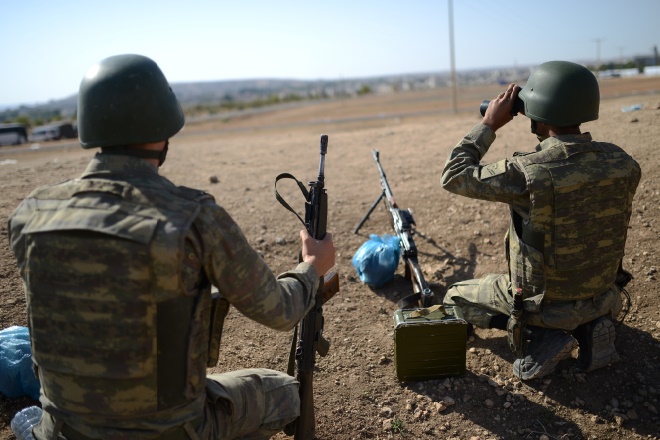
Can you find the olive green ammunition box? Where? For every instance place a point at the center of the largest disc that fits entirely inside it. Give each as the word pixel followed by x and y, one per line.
pixel 429 343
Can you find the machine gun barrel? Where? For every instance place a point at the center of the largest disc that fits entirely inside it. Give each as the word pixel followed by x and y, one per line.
pixel 403 224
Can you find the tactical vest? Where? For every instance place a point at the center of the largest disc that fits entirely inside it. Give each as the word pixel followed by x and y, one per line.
pixel 104 269
pixel 581 198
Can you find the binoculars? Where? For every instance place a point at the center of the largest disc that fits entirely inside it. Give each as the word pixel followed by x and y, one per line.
pixel 518 106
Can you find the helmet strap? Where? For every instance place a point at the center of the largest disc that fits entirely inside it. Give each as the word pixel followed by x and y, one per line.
pixel 534 129
pixel 163 153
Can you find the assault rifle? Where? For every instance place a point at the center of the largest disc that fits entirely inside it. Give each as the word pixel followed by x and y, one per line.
pixel 303 351
pixel 403 224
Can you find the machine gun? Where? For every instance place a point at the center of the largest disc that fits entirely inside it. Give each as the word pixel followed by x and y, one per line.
pixel 403 224
pixel 303 351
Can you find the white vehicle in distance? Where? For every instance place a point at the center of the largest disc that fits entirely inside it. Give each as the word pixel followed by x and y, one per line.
pixel 43 133
pixel 54 131
pixel 13 134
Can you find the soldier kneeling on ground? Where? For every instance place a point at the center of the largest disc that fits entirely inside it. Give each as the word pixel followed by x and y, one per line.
pixel 570 202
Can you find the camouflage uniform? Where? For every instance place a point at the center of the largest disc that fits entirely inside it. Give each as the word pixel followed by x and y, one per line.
pixel 123 259
pixel 570 204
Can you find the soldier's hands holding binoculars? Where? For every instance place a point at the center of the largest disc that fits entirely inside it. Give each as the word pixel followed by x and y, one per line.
pixel 499 109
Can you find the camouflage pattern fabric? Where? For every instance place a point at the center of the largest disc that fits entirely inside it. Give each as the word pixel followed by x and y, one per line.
pixel 549 193
pixel 121 262
pixel 481 299
pixel 249 404
pixel 581 195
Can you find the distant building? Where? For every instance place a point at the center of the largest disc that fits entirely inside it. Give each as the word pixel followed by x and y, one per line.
pixel 648 60
pixel 652 70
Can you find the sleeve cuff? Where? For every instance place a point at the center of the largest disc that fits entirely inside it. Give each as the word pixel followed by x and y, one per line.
pixel 305 273
pixel 308 270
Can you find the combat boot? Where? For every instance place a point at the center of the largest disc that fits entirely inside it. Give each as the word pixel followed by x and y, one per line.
pixel 596 340
pixel 545 349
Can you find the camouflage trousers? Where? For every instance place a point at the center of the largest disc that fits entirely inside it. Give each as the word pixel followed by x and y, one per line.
pixel 248 404
pixel 481 299
pixel 244 404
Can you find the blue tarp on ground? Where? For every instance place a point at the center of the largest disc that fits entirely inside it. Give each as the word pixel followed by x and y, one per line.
pixel 377 259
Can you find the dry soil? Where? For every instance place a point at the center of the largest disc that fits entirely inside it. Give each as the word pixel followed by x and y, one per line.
pixel 357 394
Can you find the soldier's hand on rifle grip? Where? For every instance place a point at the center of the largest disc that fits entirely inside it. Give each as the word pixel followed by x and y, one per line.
pixel 318 253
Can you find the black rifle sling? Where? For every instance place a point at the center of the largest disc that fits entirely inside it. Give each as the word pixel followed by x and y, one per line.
pixel 294 342
pixel 282 201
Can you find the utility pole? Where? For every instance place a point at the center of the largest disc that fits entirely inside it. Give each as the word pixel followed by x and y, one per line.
pixel 451 56
pixel 598 40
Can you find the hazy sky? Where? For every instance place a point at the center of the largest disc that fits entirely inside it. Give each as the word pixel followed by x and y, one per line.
pixel 49 45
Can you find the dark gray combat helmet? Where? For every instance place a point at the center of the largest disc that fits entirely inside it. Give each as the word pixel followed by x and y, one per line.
pixel 124 100
pixel 561 93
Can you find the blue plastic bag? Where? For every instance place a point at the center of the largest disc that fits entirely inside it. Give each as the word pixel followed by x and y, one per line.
pixel 377 259
pixel 16 375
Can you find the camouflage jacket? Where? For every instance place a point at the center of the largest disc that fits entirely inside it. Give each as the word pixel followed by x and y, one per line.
pixel 118 267
pixel 570 203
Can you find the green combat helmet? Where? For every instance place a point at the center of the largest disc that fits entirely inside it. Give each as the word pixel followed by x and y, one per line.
pixel 124 100
pixel 561 93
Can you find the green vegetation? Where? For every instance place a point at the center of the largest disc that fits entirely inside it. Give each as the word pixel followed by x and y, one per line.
pixel 228 103
pixel 364 90
pixel 397 426
pixel 614 66
pixel 30 117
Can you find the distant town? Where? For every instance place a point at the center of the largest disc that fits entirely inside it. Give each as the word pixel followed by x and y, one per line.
pixel 217 97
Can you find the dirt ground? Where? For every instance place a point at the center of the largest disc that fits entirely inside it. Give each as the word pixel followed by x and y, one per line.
pixel 357 394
